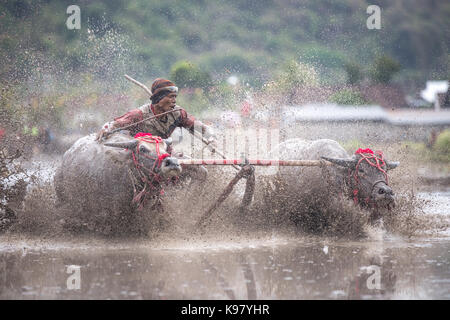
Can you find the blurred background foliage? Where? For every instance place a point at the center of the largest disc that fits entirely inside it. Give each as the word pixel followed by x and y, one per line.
pixel 348 96
pixel 187 75
pixel 247 37
pixel 72 79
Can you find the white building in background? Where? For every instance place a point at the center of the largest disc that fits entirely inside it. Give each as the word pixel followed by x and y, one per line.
pixel 330 112
pixel 432 90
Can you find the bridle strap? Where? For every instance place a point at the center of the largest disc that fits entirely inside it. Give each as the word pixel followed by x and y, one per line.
pixel 149 186
pixel 373 159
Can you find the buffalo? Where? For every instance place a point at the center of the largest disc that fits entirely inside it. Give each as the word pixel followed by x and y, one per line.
pixel 111 186
pixel 362 177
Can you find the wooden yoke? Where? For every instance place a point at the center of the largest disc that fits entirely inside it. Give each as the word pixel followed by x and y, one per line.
pixel 246 171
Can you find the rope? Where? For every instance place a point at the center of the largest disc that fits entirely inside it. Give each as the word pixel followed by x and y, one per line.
pixel 373 159
pixel 150 186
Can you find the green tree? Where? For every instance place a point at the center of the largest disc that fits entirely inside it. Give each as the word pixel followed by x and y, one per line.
pixel 348 97
pixel 354 74
pixel 296 74
pixel 442 146
pixel 383 69
pixel 187 75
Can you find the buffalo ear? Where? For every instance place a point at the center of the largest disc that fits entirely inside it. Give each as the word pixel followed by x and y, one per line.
pixel 392 164
pixel 168 141
pixel 124 145
pixel 346 163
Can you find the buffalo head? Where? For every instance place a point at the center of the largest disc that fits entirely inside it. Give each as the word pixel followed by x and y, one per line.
pixel 367 178
pixel 146 155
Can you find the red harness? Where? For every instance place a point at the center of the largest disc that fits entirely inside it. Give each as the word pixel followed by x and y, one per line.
pixel 375 160
pixel 154 184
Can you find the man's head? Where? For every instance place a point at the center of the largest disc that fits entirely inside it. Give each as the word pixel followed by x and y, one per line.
pixel 164 94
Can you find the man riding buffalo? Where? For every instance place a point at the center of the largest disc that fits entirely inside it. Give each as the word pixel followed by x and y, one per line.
pixel 164 94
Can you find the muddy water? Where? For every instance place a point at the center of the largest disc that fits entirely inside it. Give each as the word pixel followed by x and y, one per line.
pixel 278 269
pixel 266 266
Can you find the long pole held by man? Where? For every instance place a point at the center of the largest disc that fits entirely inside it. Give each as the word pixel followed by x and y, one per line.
pixel 161 117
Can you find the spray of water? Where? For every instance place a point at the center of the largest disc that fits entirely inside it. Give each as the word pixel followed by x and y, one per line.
pixel 92 81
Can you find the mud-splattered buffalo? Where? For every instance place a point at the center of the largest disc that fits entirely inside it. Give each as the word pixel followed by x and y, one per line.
pixel 363 177
pixel 106 186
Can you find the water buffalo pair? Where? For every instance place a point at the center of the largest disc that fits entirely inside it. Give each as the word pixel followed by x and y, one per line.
pixel 110 181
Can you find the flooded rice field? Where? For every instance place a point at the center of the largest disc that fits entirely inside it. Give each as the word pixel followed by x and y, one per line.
pixel 273 263
pixel 269 268
pixel 259 266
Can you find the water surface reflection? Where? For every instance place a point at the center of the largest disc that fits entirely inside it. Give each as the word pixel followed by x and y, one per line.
pixel 295 269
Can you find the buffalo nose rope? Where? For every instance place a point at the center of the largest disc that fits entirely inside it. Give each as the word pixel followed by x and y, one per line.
pixel 374 159
pixel 150 187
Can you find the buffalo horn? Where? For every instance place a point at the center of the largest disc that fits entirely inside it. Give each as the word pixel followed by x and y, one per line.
pixel 348 163
pixel 392 164
pixel 125 145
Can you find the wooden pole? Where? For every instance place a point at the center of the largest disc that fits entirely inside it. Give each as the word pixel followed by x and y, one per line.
pixel 145 119
pixel 143 86
pixel 222 197
pixel 254 162
pixel 197 135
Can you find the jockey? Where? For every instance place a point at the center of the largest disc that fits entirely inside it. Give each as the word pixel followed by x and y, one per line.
pixel 163 100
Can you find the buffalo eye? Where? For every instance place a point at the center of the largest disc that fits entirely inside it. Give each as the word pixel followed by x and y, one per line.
pixel 142 149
